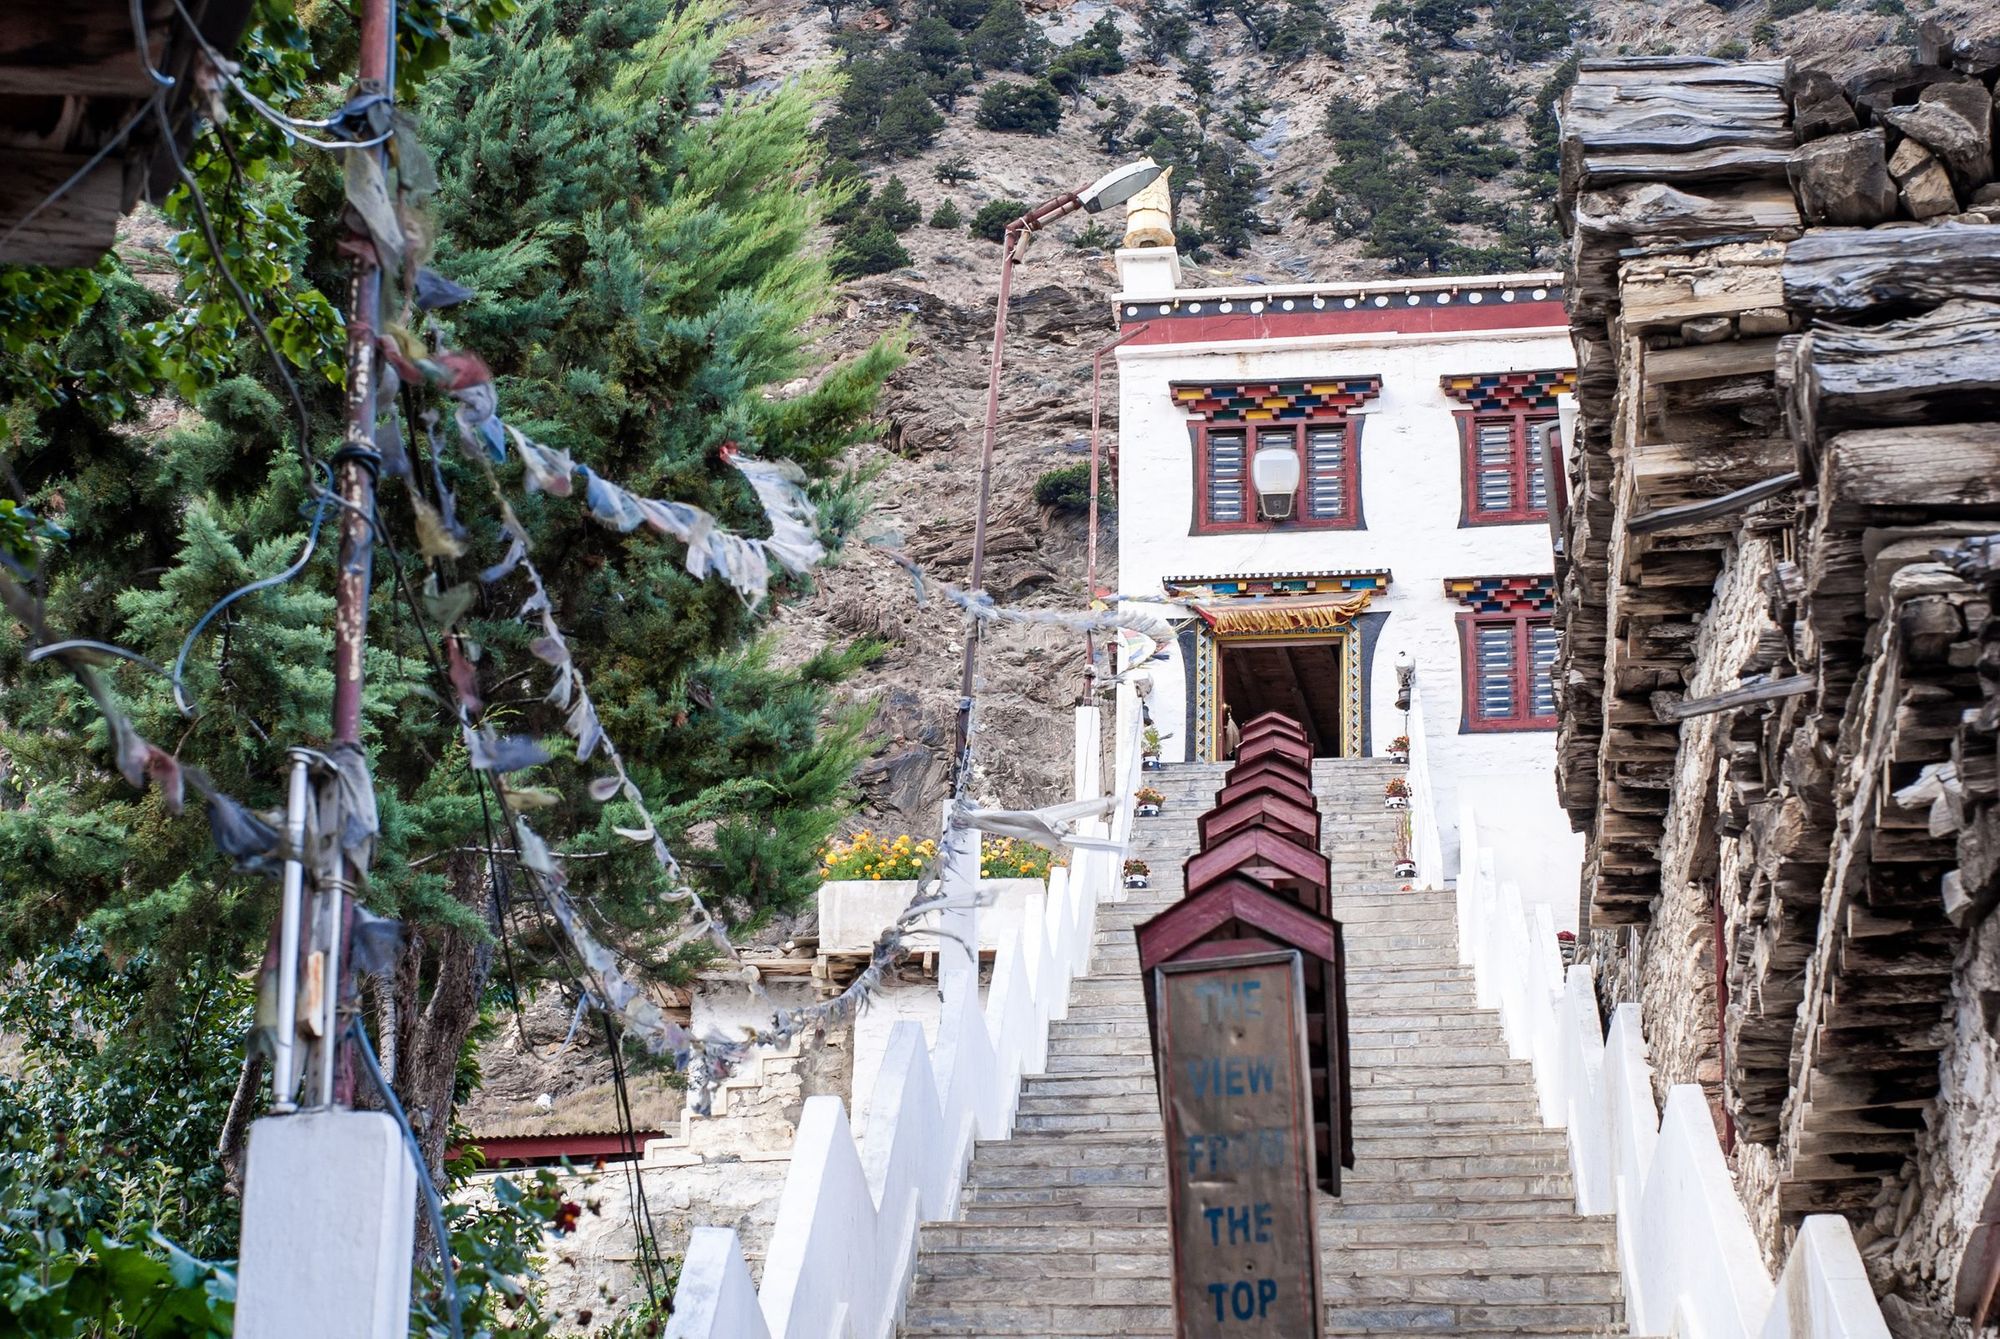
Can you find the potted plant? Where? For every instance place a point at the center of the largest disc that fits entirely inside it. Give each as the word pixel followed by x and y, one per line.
pixel 1566 942
pixel 1399 749
pixel 1136 874
pixel 1149 750
pixel 1396 795
pixel 1149 801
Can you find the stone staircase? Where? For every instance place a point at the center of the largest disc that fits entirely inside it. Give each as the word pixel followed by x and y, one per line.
pixel 1458 1217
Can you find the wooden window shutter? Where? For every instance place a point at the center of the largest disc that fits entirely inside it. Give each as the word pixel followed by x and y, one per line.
pixel 1495 669
pixel 1226 482
pixel 1326 472
pixel 1540 446
pixel 1493 466
pixel 1542 639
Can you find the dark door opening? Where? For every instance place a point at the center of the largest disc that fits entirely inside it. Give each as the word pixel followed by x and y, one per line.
pixel 1299 678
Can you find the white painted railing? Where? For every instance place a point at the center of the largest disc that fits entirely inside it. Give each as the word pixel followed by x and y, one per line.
pixel 1689 1261
pixel 842 1252
pixel 1426 843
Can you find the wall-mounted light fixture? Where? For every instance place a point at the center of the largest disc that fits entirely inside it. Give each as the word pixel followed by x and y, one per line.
pixel 1274 473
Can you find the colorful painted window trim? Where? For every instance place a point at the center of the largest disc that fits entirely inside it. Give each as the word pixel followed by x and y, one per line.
pixel 1507 466
pixel 1230 423
pixel 1508 662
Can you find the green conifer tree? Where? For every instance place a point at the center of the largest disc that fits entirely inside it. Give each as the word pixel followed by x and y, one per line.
pixel 641 254
pixel 946 215
pixel 895 208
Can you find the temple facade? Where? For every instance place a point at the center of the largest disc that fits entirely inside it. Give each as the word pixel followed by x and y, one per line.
pixel 1331 487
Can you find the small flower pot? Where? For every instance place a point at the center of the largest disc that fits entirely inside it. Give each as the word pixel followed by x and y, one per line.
pixel 1149 811
pixel 1137 881
pixel 1399 755
pixel 1151 762
pixel 1395 801
pixel 1406 869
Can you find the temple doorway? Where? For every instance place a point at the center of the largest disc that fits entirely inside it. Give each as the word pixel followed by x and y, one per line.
pixel 1298 677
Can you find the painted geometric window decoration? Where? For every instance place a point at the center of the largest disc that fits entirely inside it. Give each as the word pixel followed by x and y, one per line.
pixel 1508 649
pixel 1269 401
pixel 1503 595
pixel 1496 392
pixel 1309 420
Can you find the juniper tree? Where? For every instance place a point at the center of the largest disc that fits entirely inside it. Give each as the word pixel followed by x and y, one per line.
pixel 640 252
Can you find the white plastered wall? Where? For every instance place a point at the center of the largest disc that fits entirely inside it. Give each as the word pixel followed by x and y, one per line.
pixel 1412 499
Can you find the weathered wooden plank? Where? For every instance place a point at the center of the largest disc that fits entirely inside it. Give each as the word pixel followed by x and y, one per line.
pixel 1739 358
pixel 1940 367
pixel 1831 270
pixel 76 229
pixel 80 48
pixel 1599 169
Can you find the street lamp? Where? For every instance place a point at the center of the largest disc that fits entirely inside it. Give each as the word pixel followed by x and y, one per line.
pixel 1113 188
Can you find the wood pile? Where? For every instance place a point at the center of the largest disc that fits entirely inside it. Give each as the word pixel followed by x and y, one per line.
pixel 1785 297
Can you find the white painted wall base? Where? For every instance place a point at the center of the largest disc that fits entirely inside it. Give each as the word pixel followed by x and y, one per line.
pixel 1687 1257
pixel 844 1247
pixel 329 1213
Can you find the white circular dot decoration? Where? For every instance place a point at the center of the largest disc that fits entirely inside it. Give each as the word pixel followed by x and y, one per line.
pixel 1382 301
pixel 1321 302
pixel 1541 293
pixel 1131 311
pixel 1226 307
pixel 1507 296
pixel 1288 304
pixel 1194 306
pixel 1443 299
pixel 1164 309
pixel 1475 298
pixel 1412 300
pixel 1256 306
pixel 1348 303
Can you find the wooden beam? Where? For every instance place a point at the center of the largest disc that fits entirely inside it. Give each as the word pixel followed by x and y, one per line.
pixel 1703 362
pixel 74 230
pixel 80 48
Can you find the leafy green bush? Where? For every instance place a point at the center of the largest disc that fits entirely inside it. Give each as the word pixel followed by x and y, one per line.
pixel 955 170
pixel 993 217
pixel 1066 489
pixel 1029 109
pixel 946 215
pixel 1005 40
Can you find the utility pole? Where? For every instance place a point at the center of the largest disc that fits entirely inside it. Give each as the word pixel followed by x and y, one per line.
pixel 330 1193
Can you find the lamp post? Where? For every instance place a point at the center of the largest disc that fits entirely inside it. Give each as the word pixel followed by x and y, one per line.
pixel 1113 188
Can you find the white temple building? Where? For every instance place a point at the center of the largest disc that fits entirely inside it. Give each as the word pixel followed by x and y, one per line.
pixel 1321 482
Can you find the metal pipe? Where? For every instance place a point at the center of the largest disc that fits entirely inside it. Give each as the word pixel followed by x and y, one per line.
pixel 284 1085
pixel 1013 242
pixel 356 465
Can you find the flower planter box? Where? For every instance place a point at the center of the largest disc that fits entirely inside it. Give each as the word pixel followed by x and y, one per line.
pixel 1137 881
pixel 1406 869
pixel 1395 801
pixel 1399 755
pixel 854 912
pixel 1151 762
pixel 1148 811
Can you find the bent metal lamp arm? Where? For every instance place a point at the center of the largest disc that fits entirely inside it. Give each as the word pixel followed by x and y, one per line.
pixel 1113 188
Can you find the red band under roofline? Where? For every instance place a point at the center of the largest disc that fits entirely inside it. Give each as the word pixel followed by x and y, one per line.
pixel 1425 320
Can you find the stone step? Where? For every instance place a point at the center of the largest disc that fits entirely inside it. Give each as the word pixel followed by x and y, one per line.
pixel 1531 1293
pixel 1115 1318
pixel 1061 1116
pixel 1446 1188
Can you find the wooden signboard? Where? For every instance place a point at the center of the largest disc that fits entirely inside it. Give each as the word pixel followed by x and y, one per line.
pixel 1235 1095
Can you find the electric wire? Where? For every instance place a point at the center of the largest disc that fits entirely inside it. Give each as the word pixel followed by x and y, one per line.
pixel 650 1263
pixel 432 1203
pixel 290 126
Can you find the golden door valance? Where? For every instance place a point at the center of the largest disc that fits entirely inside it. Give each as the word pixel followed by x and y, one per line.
pixel 1251 618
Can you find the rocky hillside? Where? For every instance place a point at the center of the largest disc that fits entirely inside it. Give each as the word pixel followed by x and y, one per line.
pixel 1311 139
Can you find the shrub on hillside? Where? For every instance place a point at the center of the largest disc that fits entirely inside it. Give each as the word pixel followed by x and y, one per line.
pixel 894 206
pixel 993 217
pixel 1028 109
pixel 946 215
pixel 867 246
pixel 1066 488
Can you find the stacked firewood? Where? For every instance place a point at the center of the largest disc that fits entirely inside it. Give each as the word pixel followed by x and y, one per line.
pixel 1785 297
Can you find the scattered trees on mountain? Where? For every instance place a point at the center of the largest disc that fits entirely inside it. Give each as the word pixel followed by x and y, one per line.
pixel 990 223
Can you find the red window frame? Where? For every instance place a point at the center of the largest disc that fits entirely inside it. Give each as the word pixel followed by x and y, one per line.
pixel 1350 474
pixel 1524 715
pixel 1521 509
